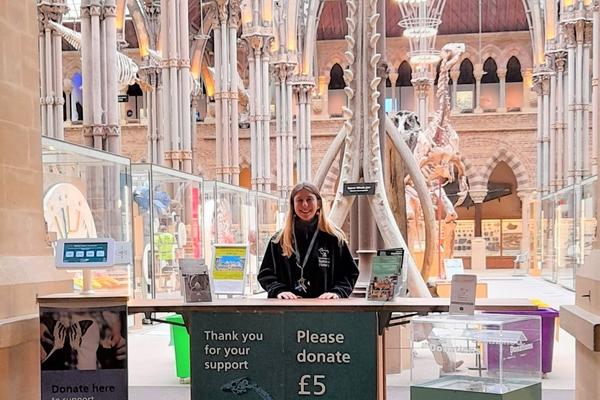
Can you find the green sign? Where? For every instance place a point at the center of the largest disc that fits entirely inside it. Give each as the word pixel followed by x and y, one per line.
pixel 282 356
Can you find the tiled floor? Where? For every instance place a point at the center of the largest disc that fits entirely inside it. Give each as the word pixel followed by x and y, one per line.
pixel 152 367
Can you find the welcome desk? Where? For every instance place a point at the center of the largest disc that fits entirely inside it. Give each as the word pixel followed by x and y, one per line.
pixel 284 349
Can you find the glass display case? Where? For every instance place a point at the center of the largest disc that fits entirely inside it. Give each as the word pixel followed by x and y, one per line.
pixel 463 357
pixel 226 219
pixel 264 223
pixel 167 224
pixel 87 194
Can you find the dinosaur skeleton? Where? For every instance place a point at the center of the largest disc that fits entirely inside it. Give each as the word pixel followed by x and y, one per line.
pixel 436 150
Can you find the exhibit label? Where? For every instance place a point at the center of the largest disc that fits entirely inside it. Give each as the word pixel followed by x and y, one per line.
pixel 284 355
pixel 357 189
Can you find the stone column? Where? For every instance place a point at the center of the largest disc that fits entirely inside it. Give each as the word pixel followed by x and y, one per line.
pixel 422 86
pixel 561 143
pixel 257 35
pixel 595 88
pixel 526 197
pixel 454 74
pixel 150 72
pixel 266 115
pixel 571 81
pixel 478 73
pixel 588 158
pixel 26 263
pixel 303 87
pixel 527 81
pixel 502 90
pixel 393 78
pixel 100 84
pixel 553 156
pixel 324 93
pixel 285 144
pixel 50 50
pixel 111 86
pixel 185 97
pixel 478 245
pixel 539 138
pixel 68 89
pixel 234 160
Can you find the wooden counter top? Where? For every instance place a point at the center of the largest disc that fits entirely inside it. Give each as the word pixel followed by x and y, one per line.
pixel 420 305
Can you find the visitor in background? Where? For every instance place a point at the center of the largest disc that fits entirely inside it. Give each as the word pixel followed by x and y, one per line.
pixel 309 257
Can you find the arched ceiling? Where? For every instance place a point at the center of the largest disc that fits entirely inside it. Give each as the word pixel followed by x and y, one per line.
pixel 459 17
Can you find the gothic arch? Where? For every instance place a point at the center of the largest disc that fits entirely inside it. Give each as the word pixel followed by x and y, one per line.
pixel 333 59
pixel 490 51
pixel 467 72
pixel 404 74
pixel 336 77
pixel 490 67
pixel 470 170
pixel 512 161
pixel 523 57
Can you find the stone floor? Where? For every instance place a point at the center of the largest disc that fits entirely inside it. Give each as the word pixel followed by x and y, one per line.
pixel 152 367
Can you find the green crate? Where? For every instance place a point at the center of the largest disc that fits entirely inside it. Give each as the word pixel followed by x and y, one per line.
pixel 181 343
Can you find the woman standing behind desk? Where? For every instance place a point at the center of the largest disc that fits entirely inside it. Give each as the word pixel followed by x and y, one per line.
pixel 309 257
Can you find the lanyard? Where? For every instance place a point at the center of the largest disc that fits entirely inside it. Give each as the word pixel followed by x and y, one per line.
pixel 301 281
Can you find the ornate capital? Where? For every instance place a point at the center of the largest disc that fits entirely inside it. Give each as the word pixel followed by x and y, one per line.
pixel 541 80
pixel 94 10
pixel 112 130
pixel 422 86
pixel 222 10
pixel 560 60
pixel 478 195
pixel 234 13
pixel 50 11
pixel 110 11
pixel 152 8
pixel 256 43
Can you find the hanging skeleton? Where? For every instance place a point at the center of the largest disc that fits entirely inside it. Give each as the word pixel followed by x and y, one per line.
pixel 126 68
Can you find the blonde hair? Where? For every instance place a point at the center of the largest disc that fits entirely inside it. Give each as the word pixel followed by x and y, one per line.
pixel 285 236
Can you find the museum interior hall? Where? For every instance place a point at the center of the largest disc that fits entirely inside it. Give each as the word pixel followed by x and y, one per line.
pixel 454 137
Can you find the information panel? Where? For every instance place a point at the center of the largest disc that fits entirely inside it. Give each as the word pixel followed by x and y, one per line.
pixel 83 353
pixel 284 355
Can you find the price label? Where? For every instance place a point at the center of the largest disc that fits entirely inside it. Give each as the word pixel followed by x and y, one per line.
pixel 312 385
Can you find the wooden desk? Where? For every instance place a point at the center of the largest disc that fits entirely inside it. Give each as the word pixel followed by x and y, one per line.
pixel 383 310
pixel 400 305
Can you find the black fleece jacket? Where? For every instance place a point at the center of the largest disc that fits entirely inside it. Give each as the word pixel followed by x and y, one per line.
pixel 330 266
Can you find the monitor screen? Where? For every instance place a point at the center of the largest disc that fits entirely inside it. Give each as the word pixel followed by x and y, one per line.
pixel 85 252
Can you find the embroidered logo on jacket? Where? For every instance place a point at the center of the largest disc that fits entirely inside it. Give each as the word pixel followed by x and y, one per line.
pixel 323 258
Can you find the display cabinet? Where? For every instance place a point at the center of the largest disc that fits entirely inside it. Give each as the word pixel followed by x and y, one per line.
pixel 87 194
pixel 482 356
pixel 167 218
pixel 226 219
pixel 264 223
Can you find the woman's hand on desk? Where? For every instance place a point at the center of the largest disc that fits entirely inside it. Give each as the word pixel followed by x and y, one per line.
pixel 287 296
pixel 329 295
